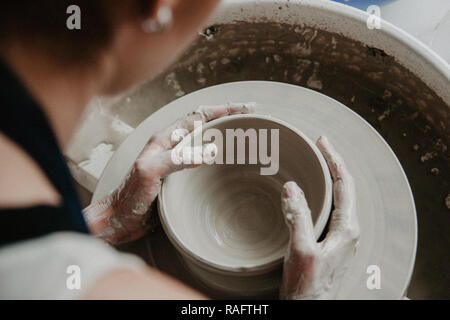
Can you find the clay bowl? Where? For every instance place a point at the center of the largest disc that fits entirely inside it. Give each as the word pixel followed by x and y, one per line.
pixel 225 219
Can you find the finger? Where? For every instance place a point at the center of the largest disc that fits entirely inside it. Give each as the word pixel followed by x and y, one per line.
pixel 343 181
pixel 178 159
pixel 298 218
pixel 344 222
pixel 172 135
pixel 209 113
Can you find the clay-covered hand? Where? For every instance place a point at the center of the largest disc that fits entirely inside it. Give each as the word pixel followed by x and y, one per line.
pixel 123 215
pixel 313 270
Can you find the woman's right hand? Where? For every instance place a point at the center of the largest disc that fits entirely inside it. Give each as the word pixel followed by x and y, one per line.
pixel 123 215
pixel 312 270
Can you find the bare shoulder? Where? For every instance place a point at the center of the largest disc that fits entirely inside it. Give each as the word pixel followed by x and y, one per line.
pixel 22 182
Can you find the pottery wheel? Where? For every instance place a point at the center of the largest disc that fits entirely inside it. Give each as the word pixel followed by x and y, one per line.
pixel 385 205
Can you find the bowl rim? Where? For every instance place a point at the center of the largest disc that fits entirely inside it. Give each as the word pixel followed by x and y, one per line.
pixel 250 269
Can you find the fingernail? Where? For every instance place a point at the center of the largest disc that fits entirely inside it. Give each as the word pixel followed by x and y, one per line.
pixel 286 194
pixel 289 189
pixel 324 139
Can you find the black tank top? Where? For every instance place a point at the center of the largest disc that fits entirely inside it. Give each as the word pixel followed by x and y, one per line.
pixel 23 121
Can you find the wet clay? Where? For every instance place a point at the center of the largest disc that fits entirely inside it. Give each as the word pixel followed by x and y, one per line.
pixel 229 215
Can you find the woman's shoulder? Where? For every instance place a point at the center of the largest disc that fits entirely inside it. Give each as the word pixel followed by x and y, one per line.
pixel 22 183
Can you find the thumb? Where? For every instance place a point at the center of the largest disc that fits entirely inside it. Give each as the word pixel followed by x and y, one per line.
pixel 298 218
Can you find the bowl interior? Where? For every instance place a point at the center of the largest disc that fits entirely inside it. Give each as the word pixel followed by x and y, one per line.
pixel 229 215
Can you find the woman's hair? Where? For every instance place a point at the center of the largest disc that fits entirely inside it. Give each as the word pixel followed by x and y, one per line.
pixel 43 23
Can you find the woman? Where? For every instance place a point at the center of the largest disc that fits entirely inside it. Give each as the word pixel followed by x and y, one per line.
pixel 48 74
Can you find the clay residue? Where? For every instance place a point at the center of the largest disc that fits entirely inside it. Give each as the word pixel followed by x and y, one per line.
pixel 316 59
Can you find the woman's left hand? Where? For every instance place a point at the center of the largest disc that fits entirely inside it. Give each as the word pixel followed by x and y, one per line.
pixel 123 215
pixel 314 270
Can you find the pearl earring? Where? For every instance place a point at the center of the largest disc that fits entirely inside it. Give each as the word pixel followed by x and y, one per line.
pixel 162 22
